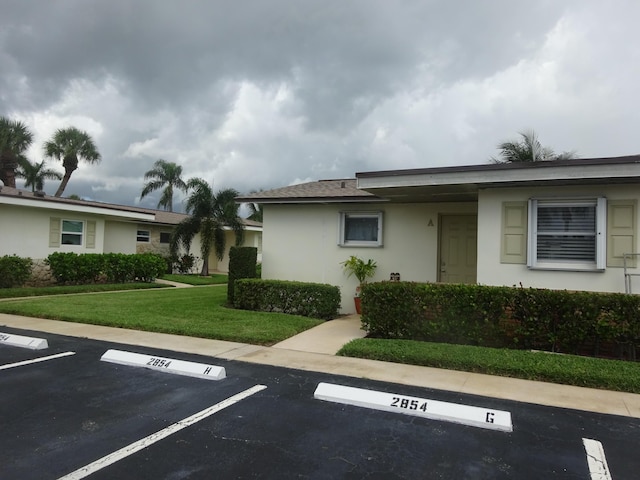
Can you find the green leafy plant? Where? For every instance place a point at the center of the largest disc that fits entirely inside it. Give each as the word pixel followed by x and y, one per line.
pixel 360 269
pixel 14 271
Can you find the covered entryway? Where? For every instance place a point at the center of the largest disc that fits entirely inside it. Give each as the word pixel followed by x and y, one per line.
pixel 458 248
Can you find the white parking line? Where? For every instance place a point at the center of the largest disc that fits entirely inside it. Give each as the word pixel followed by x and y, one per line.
pixel 36 360
pixel 598 467
pixel 155 437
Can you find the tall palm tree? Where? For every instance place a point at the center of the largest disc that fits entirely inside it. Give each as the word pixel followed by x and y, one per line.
pixel 528 149
pixel 167 175
pixel 35 174
pixel 209 214
pixel 255 212
pixel 15 138
pixel 71 145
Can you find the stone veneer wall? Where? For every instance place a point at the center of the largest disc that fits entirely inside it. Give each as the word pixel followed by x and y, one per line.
pixel 40 275
pixel 154 245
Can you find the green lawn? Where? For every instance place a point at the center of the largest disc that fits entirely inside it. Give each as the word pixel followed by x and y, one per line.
pixel 213 279
pixel 565 369
pixel 196 312
pixel 66 289
pixel 200 312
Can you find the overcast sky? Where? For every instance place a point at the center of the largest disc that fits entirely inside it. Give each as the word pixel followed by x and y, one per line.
pixel 258 94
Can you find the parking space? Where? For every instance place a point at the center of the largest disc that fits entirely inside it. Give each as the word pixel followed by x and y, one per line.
pixel 64 416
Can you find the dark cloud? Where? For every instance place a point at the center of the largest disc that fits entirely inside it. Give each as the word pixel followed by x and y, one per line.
pixel 258 94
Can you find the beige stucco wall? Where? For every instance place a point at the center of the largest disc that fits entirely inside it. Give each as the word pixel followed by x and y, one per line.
pixel 300 242
pixel 492 272
pixel 120 237
pixel 25 232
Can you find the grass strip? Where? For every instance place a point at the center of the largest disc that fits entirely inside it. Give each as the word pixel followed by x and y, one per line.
pixel 195 312
pixel 214 279
pixel 564 369
pixel 68 289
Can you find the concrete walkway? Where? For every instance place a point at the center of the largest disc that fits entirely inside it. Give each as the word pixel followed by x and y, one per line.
pixel 314 350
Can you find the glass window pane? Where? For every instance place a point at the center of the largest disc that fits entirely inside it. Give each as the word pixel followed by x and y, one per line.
pixel 71 239
pixel 72 226
pixel 567 233
pixel 566 219
pixel 567 248
pixel 361 229
pixel 143 236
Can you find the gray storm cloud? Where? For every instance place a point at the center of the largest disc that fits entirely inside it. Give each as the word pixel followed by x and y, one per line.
pixel 261 94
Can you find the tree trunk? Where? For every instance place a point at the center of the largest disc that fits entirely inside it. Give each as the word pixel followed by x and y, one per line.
pixel 63 184
pixel 205 268
pixel 8 176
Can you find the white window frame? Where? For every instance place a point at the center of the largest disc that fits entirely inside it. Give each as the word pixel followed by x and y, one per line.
pixel 343 242
pixel 64 232
pixel 599 264
pixel 143 236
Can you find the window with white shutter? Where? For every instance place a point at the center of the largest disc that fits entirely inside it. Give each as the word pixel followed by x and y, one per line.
pixel 567 234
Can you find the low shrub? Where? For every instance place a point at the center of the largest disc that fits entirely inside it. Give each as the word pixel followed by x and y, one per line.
pixel 14 271
pixel 74 269
pixel 313 300
pixel 599 324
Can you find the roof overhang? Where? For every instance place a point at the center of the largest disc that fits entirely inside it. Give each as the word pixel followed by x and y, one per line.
pixel 67 207
pixel 452 184
pixel 311 200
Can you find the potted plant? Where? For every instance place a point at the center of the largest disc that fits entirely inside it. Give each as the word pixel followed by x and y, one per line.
pixel 362 271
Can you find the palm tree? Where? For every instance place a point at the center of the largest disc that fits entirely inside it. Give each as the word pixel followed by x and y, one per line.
pixel 70 145
pixel 167 175
pixel 255 212
pixel 528 149
pixel 209 214
pixel 15 138
pixel 35 174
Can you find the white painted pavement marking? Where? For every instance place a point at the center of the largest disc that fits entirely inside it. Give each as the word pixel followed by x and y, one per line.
pixel 24 342
pixel 156 437
pixel 419 407
pixel 179 367
pixel 598 467
pixel 36 360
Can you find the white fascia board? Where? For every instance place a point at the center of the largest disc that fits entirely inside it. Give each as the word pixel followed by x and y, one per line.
pixel 509 176
pixel 22 202
pixel 321 201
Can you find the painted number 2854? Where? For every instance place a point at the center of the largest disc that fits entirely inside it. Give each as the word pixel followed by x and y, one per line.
pixel 401 402
pixel 159 362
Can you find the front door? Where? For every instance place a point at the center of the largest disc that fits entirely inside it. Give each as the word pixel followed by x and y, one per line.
pixel 458 248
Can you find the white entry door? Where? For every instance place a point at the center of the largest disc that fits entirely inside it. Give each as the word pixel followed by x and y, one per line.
pixel 458 248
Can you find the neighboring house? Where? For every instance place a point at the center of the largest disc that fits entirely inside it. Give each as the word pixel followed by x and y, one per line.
pixel 557 224
pixel 35 225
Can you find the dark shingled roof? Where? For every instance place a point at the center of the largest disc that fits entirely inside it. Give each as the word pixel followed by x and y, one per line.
pixel 343 190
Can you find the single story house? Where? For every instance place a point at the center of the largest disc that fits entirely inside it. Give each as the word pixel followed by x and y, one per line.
pixel 35 225
pixel 563 224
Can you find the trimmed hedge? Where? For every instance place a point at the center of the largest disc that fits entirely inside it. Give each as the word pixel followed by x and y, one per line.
pixel 526 318
pixel 74 269
pixel 242 264
pixel 14 271
pixel 313 300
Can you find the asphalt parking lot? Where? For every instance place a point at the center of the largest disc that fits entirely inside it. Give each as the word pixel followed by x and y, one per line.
pixel 75 416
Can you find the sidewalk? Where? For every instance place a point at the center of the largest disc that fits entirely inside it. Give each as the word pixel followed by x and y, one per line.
pixel 314 350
